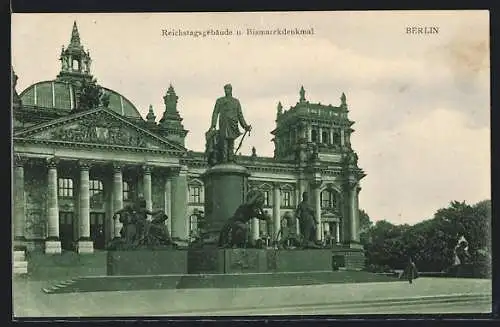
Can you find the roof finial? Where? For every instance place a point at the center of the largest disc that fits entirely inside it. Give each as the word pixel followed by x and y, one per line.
pixel 75 36
pixel 150 118
pixel 302 94
pixel 280 108
pixel 343 102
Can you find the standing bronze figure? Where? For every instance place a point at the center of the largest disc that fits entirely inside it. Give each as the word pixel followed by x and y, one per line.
pixel 307 221
pixel 220 143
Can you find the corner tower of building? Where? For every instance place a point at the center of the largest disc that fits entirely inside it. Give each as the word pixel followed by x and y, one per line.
pixel 170 125
pixel 322 129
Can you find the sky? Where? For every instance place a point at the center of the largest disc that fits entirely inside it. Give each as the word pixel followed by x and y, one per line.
pixel 421 103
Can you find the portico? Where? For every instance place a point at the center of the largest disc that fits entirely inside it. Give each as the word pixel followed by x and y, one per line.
pixel 83 195
pixel 83 168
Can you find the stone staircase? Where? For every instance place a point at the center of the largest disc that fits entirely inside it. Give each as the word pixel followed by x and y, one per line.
pixel 19 263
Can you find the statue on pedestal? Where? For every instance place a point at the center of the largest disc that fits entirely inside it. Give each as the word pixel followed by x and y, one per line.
pixel 235 232
pixel 220 143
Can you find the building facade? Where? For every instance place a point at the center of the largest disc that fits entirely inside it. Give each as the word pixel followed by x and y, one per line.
pixel 83 151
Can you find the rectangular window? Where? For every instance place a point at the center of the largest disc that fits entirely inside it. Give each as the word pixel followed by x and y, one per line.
pixel 195 194
pixel 267 201
pixel 96 189
pixel 126 191
pixel 286 198
pixel 65 189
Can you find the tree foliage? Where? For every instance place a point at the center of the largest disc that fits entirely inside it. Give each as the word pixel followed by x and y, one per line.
pixel 430 243
pixel 90 95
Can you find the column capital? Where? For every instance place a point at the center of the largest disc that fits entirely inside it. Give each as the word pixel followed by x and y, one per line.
pixel 276 185
pixel 352 184
pixel 53 162
pixel 117 166
pixel 147 168
pixel 84 164
pixel 20 161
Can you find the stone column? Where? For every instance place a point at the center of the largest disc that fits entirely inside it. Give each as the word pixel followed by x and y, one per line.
pixel 52 243
pixel 179 205
pixel 146 179
pixel 317 209
pixel 117 197
pixel 353 212
pixel 342 138
pixel 331 137
pixel 19 213
pixel 168 202
pixel 320 135
pixel 85 243
pixel 309 132
pixel 276 210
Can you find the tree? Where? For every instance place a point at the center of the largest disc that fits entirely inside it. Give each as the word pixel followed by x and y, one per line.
pixel 364 227
pixel 90 95
pixel 431 243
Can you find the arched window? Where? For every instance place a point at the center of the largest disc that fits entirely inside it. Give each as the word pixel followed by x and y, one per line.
pixel 328 199
pixel 324 137
pixel 336 138
pixel 76 64
pixel 65 189
pixel 314 135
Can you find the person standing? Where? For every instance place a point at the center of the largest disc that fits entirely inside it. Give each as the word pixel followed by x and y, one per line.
pixel 411 270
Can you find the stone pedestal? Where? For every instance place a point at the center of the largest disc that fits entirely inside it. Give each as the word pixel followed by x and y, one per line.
pixel 52 247
pixel 246 261
pixel 225 191
pixel 85 246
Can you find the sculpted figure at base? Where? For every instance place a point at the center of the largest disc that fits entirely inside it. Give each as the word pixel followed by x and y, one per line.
pixel 235 232
pixel 138 230
pixel 307 222
pixel 220 143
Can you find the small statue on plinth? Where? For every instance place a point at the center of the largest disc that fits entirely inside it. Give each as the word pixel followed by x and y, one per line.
pixel 235 232
pixel 220 143
pixel 138 231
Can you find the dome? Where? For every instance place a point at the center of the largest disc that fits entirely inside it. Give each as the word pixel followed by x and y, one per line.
pixel 59 95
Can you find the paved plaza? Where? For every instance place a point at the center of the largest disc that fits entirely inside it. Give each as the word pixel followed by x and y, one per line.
pixel 426 295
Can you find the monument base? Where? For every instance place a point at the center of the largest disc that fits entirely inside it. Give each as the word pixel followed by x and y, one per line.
pixel 147 262
pixel 225 191
pixel 349 258
pixel 231 261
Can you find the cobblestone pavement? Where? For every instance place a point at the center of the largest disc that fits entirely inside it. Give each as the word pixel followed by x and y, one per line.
pixel 457 295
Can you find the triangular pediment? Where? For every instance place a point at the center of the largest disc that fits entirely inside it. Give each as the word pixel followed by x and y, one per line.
pixel 100 127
